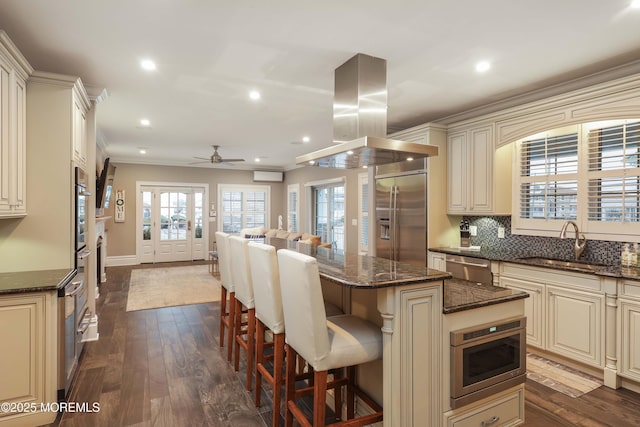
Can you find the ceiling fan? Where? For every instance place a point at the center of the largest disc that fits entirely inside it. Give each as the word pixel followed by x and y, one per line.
pixel 216 158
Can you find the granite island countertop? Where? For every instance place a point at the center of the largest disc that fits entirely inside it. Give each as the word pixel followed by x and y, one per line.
pixel 615 271
pixel 35 281
pixel 460 295
pixel 360 271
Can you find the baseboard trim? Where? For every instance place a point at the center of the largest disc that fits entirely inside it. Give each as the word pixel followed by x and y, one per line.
pixel 115 261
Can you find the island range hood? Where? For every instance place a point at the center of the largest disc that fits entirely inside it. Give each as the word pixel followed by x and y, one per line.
pixel 360 121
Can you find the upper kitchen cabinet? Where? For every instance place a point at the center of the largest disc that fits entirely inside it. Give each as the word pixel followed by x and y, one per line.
pixel 14 72
pixel 478 174
pixel 67 99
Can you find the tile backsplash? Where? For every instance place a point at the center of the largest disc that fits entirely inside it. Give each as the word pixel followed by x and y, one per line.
pixel 596 251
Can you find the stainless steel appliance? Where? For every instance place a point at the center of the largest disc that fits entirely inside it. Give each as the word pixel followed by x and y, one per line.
pixel 401 212
pixel 80 208
pixel 486 359
pixel 469 268
pixel 360 121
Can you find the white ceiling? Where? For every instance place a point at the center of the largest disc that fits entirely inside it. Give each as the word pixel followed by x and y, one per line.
pixel 211 53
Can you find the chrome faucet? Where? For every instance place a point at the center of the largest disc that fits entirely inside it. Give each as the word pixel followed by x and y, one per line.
pixel 578 246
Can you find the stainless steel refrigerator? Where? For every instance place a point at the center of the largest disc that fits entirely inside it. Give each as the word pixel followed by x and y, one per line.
pixel 401 212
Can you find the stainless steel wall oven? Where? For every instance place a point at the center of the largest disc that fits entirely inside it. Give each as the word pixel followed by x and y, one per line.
pixel 486 359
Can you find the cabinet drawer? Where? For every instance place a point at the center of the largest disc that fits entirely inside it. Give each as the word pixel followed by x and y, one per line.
pixel 504 409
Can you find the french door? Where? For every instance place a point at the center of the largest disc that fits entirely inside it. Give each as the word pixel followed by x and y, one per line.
pixel 329 214
pixel 171 226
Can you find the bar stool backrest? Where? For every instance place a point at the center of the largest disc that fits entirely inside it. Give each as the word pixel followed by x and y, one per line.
pixel 240 271
pixel 303 305
pixel 224 261
pixel 266 285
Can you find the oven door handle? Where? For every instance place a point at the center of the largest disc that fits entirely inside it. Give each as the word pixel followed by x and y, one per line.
pixel 79 285
pixel 472 264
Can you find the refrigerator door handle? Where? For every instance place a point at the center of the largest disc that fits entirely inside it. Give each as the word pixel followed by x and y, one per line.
pixel 395 223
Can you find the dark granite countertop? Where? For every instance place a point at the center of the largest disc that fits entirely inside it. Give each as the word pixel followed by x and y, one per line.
pixel 615 271
pixel 35 281
pixel 460 295
pixel 361 271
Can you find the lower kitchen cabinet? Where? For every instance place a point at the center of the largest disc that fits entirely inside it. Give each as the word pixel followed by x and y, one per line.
pixel 29 357
pixel 502 409
pixel 629 321
pixel 574 324
pixel 565 311
pixel 437 261
pixel 533 308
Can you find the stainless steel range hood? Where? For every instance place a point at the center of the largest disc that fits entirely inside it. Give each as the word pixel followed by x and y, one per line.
pixel 360 121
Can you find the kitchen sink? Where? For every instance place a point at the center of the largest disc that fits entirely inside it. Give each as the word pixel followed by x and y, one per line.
pixel 574 265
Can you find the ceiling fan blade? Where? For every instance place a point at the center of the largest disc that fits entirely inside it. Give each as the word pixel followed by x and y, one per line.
pixel 197 163
pixel 203 158
pixel 231 160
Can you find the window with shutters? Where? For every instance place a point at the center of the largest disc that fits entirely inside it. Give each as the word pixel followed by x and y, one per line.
pixel 243 206
pixel 613 191
pixel 293 210
pixel 588 173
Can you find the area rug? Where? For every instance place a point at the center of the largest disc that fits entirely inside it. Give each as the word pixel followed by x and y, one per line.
pixel 171 286
pixel 559 377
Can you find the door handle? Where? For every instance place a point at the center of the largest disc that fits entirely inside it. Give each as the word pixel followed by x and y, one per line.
pixel 189 225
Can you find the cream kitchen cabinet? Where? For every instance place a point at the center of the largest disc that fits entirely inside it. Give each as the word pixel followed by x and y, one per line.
pixel 473 163
pixel 14 71
pixel 629 334
pixel 533 308
pixel 79 126
pixel 565 311
pixel 28 369
pixel 437 261
pixel 574 324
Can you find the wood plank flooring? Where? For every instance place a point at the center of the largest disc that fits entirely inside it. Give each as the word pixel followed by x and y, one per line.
pixel 164 367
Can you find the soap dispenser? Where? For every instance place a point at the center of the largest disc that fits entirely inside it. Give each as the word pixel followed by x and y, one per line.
pixel 625 256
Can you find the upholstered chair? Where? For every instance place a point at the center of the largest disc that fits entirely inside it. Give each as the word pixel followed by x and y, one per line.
pixel 227 318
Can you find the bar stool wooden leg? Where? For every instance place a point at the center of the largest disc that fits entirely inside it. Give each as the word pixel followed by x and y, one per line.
pixel 231 327
pixel 290 384
pixel 224 319
pixel 251 339
pixel 278 360
pixel 351 375
pixel 260 329
pixel 319 397
pixel 236 332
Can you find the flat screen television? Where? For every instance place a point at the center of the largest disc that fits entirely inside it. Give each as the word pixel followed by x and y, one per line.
pixel 104 185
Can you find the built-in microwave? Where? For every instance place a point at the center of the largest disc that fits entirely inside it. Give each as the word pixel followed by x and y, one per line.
pixel 486 359
pixel 80 209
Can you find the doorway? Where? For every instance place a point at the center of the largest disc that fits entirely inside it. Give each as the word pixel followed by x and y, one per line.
pixel 170 223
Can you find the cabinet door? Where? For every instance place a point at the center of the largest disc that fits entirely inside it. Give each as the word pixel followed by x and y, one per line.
pixel 480 164
pixel 79 132
pixel 574 326
pixel 533 308
pixel 437 261
pixel 457 172
pixel 630 334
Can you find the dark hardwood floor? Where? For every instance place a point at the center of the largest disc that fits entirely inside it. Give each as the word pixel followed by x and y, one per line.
pixel 164 367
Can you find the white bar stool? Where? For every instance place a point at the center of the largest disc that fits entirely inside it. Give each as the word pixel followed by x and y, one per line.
pixel 268 302
pixel 227 319
pixel 244 297
pixel 342 341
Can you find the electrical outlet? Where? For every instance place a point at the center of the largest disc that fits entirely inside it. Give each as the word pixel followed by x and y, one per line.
pixel 500 232
pixel 473 229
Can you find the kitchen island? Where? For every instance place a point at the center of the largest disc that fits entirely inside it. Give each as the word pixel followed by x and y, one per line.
pixel 29 337
pixel 409 302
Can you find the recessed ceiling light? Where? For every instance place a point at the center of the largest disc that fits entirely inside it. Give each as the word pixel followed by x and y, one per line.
pixel 148 65
pixel 312 162
pixel 349 152
pixel 410 159
pixel 142 151
pixel 254 94
pixel 365 166
pixel 306 139
pixel 635 4
pixel 145 122
pixel 483 66
pixel 257 159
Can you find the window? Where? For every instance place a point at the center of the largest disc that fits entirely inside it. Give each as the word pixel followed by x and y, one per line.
pixel 363 213
pixel 614 173
pixel 549 177
pixel 293 193
pixel 328 206
pixel 243 207
pixel 589 173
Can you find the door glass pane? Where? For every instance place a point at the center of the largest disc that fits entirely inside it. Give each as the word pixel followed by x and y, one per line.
pixel 198 214
pixel 146 215
pixel 321 213
pixel 337 219
pixel 173 219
